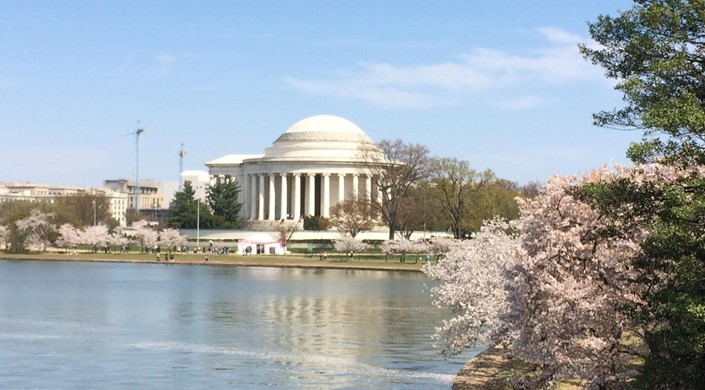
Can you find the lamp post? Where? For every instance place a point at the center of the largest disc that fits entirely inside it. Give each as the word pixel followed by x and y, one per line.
pixel 425 192
pixel 198 223
pixel 94 214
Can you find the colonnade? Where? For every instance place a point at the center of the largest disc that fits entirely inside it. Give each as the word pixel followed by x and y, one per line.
pixel 277 196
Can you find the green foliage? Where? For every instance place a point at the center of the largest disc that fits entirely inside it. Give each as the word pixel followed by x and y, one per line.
pixel 186 211
pixel 312 222
pixel 656 52
pixel 13 211
pixel 456 185
pixel 222 198
pixel 78 211
pixel 495 199
pixel 673 262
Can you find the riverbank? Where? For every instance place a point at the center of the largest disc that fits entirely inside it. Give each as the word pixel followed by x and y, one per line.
pixel 492 369
pixel 489 370
pixel 282 261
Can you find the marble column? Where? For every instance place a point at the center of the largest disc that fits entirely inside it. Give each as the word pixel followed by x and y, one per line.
pixel 355 189
pixel 260 198
pixel 272 197
pixel 311 194
pixel 253 196
pixel 297 196
pixel 341 187
pixel 325 196
pixel 283 207
pixel 368 188
pixel 244 196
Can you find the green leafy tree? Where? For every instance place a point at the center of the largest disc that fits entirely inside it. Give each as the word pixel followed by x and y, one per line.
pixel 456 184
pixel 13 211
pixel 313 222
pixel 222 197
pixel 186 212
pixel 495 199
pixel 671 312
pixel 656 51
pixel 79 211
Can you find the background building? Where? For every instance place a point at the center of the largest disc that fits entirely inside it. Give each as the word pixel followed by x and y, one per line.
pixel 34 192
pixel 150 192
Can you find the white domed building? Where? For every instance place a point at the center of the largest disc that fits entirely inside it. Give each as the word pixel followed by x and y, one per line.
pixel 315 164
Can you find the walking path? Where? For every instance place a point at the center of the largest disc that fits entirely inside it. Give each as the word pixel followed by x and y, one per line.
pixel 285 261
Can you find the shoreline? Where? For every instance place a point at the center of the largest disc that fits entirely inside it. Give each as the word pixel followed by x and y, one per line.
pixel 278 261
pixel 490 369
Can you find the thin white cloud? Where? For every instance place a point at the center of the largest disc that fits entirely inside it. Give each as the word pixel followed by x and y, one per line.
pixel 381 95
pixel 480 70
pixel 557 35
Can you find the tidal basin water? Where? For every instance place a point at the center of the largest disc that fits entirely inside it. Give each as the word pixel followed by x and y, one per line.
pixel 119 325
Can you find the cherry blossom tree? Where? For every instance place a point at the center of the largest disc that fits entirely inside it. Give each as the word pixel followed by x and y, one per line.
pixel 145 235
pixel 286 230
pixel 69 237
pixel 404 247
pixel 552 284
pixel 120 241
pixel 4 235
pixel 474 276
pixel 96 236
pixel 172 238
pixel 37 228
pixel 349 245
pixel 440 246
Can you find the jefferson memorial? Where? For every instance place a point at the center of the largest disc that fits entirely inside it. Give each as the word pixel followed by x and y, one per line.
pixel 313 165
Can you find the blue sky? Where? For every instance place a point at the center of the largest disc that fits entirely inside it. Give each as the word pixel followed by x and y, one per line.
pixel 495 82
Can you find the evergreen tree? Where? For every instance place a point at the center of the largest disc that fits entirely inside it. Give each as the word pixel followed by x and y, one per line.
pixel 183 208
pixel 222 198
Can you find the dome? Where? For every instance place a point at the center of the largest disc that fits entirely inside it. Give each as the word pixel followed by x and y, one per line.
pixel 324 124
pixel 320 137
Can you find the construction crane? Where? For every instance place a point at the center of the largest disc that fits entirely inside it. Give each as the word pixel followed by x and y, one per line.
pixel 182 154
pixel 137 134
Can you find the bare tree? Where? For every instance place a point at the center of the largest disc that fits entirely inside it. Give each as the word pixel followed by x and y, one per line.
pixel 395 166
pixel 353 216
pixel 413 211
pixel 531 189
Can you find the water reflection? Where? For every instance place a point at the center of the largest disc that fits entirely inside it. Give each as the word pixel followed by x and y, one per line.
pixel 187 326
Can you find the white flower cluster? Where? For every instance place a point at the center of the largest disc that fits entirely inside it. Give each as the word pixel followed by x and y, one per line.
pixel 552 283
